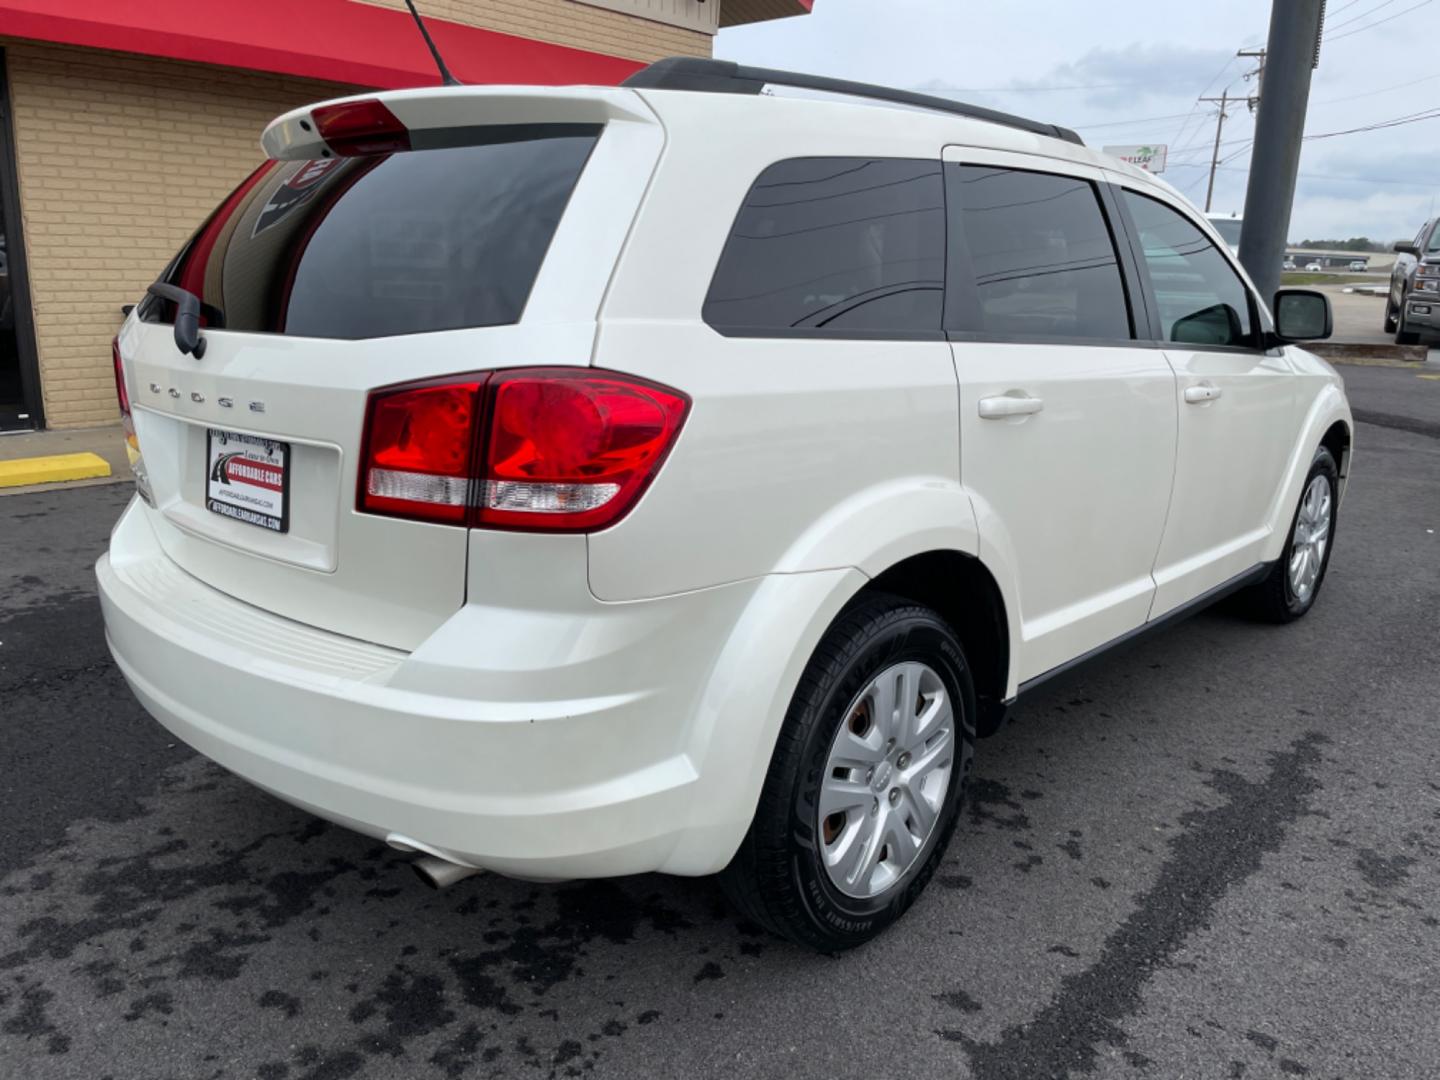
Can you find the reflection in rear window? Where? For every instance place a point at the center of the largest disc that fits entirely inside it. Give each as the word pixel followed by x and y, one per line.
pixel 402 243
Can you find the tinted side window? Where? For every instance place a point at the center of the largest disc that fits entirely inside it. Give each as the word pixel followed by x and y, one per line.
pixel 1202 301
pixel 1041 254
pixel 836 244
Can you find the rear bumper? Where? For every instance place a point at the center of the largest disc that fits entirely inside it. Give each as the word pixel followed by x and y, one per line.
pixel 655 767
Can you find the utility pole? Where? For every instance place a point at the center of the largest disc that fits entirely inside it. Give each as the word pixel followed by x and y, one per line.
pixel 1223 99
pixel 1291 54
pixel 1258 55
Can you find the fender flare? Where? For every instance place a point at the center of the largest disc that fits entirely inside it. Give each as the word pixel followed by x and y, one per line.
pixel 1328 408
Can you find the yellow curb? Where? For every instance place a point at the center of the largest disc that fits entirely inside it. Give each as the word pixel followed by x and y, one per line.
pixel 52 469
pixel 1436 377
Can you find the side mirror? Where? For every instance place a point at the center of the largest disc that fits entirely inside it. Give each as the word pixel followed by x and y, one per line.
pixel 1218 324
pixel 1406 247
pixel 1302 315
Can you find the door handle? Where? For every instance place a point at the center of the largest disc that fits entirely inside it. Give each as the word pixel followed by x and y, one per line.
pixel 1016 403
pixel 1201 393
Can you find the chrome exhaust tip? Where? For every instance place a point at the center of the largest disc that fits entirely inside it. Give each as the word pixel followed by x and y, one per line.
pixel 440 873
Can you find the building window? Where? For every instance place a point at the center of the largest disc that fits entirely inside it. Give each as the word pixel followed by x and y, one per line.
pixel 701 15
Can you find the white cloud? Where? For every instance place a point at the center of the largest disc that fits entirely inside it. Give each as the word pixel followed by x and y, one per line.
pixel 1143 64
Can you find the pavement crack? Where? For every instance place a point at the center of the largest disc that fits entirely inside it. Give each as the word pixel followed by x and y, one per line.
pixel 1218 849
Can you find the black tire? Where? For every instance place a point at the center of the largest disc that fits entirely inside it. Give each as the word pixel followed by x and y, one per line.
pixel 777 878
pixel 1391 318
pixel 1403 336
pixel 1273 599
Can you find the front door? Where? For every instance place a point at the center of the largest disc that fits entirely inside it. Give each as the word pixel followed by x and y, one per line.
pixel 1067 422
pixel 1235 401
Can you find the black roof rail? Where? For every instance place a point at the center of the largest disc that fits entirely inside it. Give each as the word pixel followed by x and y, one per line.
pixel 728 77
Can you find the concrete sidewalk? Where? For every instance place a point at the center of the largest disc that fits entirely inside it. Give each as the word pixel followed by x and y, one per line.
pixel 107 442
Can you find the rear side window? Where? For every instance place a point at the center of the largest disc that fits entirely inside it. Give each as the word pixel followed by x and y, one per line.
pixel 1040 255
pixel 1202 301
pixel 835 244
pixel 401 243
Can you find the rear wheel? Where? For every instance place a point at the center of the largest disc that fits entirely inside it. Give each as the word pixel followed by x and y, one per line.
pixel 864 789
pixel 1292 585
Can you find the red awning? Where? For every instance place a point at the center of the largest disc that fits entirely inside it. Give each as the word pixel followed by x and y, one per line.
pixel 339 40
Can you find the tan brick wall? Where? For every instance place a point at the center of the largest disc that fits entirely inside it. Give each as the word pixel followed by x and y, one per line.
pixel 120 159
pixel 564 22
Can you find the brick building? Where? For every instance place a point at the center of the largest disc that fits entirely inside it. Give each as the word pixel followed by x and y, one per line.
pixel 123 125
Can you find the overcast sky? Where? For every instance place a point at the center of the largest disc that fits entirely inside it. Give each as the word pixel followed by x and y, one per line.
pixel 1124 72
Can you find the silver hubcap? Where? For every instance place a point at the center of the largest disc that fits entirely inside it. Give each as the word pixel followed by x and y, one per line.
pixel 1312 533
pixel 885 779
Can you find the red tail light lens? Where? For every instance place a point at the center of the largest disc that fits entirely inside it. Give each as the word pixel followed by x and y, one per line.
pixel 557 449
pixel 420 444
pixel 573 451
pixel 352 128
pixel 121 393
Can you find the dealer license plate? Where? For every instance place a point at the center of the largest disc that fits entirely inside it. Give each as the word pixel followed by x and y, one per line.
pixel 248 478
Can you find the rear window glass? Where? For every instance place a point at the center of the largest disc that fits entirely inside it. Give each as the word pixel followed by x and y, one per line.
pixel 839 244
pixel 402 243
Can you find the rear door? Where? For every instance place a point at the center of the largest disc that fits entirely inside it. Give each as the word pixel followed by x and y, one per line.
pixel 1236 404
pixel 327 277
pixel 1067 420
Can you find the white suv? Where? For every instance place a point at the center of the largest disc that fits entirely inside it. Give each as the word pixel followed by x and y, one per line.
pixel 586 481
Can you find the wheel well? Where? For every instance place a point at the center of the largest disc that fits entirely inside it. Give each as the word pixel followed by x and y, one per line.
pixel 1337 441
pixel 965 595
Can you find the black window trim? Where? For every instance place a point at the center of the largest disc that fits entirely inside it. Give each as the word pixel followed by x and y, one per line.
pixel 790 333
pixel 962 302
pixel 1257 344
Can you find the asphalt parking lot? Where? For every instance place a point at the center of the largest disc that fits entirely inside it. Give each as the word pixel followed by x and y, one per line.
pixel 1212 855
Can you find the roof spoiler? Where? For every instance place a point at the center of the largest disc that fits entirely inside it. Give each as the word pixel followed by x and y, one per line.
pixel 728 77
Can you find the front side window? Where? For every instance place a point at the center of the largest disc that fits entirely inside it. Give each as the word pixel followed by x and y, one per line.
pixel 1202 301
pixel 1433 247
pixel 1040 255
pixel 838 244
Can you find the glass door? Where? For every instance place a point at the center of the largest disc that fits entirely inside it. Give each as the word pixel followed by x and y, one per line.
pixel 20 407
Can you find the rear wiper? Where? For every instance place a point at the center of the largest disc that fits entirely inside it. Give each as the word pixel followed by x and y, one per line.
pixel 188 309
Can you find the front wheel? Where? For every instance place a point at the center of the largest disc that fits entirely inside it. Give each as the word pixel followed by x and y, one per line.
pixel 864 788
pixel 1292 585
pixel 1391 317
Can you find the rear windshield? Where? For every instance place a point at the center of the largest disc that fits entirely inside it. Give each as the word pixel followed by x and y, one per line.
pixel 400 243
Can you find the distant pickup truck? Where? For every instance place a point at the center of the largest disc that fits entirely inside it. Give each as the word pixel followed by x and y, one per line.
pixel 1413 306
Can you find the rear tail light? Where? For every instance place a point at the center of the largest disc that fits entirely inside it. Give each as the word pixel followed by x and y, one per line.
pixel 545 449
pixel 127 424
pixel 352 128
pixel 122 395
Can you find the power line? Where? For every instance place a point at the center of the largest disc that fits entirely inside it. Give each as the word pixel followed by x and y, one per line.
pixel 1206 90
pixel 1356 18
pixel 1377 22
pixel 1309 175
pixel 1138 120
pixel 1399 121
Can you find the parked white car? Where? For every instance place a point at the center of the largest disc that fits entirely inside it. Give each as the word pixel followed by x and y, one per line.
pixel 573 482
pixel 1314 267
pixel 1358 265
